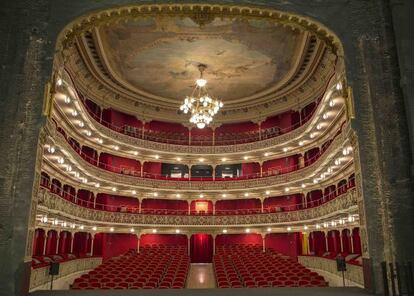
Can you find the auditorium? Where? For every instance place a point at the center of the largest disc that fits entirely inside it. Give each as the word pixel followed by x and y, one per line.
pixel 207 147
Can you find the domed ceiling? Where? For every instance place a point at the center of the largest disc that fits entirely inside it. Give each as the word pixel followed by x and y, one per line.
pixel 159 56
pixel 146 64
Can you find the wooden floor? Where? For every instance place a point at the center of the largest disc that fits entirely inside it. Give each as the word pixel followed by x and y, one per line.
pixel 201 276
pixel 209 292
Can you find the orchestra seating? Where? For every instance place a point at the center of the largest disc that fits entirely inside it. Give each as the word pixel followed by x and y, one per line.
pixel 238 266
pixel 155 267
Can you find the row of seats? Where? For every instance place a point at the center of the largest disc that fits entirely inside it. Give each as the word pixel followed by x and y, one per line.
pixel 45 260
pixel 238 266
pixel 154 267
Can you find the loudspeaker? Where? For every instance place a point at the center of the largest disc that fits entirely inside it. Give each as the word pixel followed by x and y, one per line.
pixel 54 268
pixel 340 263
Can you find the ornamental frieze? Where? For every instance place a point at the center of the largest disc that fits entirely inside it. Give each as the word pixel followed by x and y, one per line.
pixel 50 202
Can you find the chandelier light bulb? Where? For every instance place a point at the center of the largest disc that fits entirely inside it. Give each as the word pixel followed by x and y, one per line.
pixel 74 113
pixel 201 82
pixel 67 100
pixel 331 103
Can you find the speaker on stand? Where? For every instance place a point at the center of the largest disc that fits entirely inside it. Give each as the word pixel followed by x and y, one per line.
pixel 53 270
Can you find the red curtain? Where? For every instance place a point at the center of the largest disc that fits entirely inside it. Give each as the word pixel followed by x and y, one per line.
pixel 288 244
pixel 281 165
pixel 285 201
pixel 356 241
pixel 80 244
pixel 346 241
pixel 38 242
pixel 238 204
pixel 318 240
pixel 201 248
pixel 51 242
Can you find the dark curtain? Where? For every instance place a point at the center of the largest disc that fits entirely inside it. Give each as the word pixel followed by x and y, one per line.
pixel 201 248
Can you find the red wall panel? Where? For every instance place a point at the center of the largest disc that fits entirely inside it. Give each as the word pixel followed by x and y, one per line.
pixel 163 239
pixel 164 204
pixel 153 168
pixel 116 244
pixel 239 239
pixel 289 202
pixel 238 204
pixel 250 169
pixel 288 244
pixel 281 165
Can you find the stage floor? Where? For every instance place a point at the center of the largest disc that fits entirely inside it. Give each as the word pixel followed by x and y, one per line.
pixel 209 292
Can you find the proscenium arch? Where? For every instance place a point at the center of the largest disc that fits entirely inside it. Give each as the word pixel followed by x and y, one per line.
pixel 360 25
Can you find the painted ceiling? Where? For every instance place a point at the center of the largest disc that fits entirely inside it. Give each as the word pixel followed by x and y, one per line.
pixel 159 56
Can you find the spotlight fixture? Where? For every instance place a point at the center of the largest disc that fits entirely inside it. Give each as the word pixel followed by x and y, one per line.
pixel 223 195
pixel 246 158
pixel 116 147
pixel 305 227
pixel 111 229
pixel 246 194
pixel 61 160
pixel 331 103
pixel 154 231
pixel 134 192
pixel 223 159
pixel 315 181
pixel 67 99
pixel 178 158
pixel 94 228
pixel 338 86
pixel 81 124
pixel 269 229
pixel 74 113
pixel 201 160
pixel 319 126
pixel 287 189
pixel 88 133
pixel 81 227
pixel 113 189
pixel 267 192
pixel 303 185
pixel 301 143
pixel 312 135
pixel 155 194
pixel 285 149
pixel 178 195
pixel 289 228
pixel 157 156
pixel 266 154
pixel 325 116
pixel 201 195
pixel 224 230
pixel 132 230
pixel 59 82
pixel 135 153
pixel 100 141
pixel 247 230
pixel 177 231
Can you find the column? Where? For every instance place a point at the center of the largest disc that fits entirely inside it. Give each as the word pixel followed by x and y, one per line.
pixel 57 242
pixel 44 242
pixel 352 241
pixel 72 239
pixel 142 169
pixel 92 240
pixel 189 135
pixel 214 206
pixel 261 204
pixel 188 244
pixel 214 135
pixel 341 238
pixel 326 240
pixel 301 161
pixel 140 205
pixel 189 207
pixel 263 241
pixel 261 168
pixel 214 244
pixel 214 172
pixel 94 199
pixel 143 130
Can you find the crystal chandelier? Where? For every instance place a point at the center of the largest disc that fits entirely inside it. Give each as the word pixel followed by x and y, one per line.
pixel 201 106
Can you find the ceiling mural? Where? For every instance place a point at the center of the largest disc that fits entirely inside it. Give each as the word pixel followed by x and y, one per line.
pixel 159 56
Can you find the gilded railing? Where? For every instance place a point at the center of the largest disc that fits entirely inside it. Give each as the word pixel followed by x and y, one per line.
pixel 40 276
pixel 354 273
pixel 50 202
pixel 260 182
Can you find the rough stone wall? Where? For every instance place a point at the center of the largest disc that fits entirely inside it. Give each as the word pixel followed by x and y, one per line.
pixel 28 32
